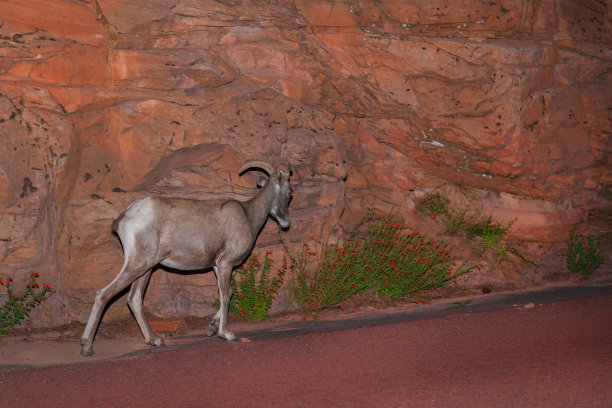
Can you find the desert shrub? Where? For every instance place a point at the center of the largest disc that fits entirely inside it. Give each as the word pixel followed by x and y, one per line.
pixel 17 307
pixel 255 288
pixel 387 260
pixel 470 223
pixel 583 255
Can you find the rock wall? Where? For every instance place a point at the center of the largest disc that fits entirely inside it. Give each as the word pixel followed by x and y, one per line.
pixel 105 101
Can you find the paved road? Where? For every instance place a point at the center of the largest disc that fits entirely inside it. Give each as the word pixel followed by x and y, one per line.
pixel 551 355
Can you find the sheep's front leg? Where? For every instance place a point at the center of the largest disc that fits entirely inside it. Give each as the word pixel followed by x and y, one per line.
pixel 224 278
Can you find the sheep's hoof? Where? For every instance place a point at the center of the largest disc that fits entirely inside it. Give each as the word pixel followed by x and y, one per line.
pixel 228 335
pixel 157 342
pixel 211 329
pixel 87 349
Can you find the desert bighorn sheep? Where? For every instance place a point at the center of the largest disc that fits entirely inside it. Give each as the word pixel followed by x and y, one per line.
pixel 189 235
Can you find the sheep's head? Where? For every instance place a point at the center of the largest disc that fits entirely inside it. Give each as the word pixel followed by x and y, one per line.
pixel 279 182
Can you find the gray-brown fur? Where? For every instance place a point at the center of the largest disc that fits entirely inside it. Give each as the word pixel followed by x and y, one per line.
pixel 189 235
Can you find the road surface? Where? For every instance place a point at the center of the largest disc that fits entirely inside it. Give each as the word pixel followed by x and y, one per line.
pixel 544 355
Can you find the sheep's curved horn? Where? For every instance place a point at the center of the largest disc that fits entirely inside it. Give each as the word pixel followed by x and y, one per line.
pixel 258 164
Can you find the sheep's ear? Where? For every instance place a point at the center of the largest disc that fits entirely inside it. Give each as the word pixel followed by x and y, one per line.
pixel 282 177
pixel 261 181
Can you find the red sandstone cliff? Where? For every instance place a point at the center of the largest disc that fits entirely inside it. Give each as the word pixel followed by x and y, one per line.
pixel 104 101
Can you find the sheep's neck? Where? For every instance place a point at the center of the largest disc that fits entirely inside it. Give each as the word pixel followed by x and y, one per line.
pixel 259 207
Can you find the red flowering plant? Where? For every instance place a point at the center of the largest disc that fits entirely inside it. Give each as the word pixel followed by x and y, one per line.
pixel 583 255
pixel 387 260
pixel 17 307
pixel 252 297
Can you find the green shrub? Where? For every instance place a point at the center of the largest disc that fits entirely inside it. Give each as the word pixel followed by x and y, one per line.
pixel 387 260
pixel 470 223
pixel 583 255
pixel 17 307
pixel 252 298
pixel 434 203
pixel 439 207
pixel 491 232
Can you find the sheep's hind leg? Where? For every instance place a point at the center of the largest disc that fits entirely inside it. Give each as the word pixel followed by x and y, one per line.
pixel 225 293
pixel 103 296
pixel 213 325
pixel 135 298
